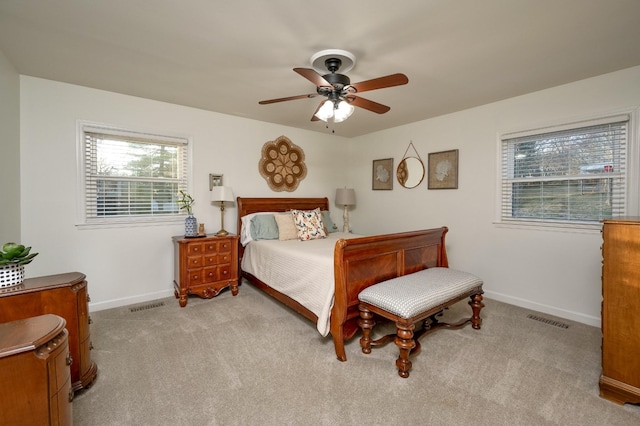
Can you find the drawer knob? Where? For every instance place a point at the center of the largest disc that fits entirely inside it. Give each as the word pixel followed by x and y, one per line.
pixel 90 320
pixel 90 345
pixel 69 359
pixel 70 395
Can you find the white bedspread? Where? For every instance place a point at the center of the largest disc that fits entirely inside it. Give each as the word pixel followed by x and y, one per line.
pixel 303 270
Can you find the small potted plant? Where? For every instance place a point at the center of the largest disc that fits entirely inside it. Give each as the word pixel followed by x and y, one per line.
pixel 190 223
pixel 13 257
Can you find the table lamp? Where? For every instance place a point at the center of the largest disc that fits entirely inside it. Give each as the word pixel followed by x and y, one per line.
pixel 221 194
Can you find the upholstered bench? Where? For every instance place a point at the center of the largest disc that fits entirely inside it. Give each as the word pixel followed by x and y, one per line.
pixel 415 297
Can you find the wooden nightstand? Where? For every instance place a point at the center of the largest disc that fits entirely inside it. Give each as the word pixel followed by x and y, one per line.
pixel 205 266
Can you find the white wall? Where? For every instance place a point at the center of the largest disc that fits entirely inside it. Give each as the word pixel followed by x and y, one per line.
pixel 550 271
pixel 10 148
pixel 133 264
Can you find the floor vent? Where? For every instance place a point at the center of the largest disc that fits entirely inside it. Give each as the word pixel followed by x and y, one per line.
pixel 149 306
pixel 548 321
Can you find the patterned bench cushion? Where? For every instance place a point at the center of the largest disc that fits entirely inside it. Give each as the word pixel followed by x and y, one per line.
pixel 413 294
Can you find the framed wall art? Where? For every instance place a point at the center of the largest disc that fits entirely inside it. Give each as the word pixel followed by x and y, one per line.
pixel 443 170
pixel 382 174
pixel 214 180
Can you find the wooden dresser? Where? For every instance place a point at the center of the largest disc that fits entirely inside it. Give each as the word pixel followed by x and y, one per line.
pixel 620 379
pixel 64 295
pixel 205 266
pixel 35 383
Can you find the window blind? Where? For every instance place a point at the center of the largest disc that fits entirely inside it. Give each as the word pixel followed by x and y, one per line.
pixel 130 175
pixel 568 174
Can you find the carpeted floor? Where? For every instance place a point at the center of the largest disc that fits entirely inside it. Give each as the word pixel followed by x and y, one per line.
pixel 248 360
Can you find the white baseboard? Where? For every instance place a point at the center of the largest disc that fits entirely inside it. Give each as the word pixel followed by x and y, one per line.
pixel 125 301
pixel 551 310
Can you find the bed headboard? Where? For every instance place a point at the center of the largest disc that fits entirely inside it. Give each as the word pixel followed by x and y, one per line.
pixel 254 205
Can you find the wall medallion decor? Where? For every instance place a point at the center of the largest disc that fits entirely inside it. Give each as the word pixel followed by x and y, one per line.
pixel 282 164
pixel 443 170
pixel 382 174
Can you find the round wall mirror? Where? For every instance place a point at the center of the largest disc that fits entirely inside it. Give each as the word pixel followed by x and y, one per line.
pixel 410 172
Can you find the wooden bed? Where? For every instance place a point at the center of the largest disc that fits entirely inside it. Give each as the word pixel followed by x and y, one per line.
pixel 358 263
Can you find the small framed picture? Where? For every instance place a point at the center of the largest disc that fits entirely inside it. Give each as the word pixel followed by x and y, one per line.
pixel 382 174
pixel 443 170
pixel 214 180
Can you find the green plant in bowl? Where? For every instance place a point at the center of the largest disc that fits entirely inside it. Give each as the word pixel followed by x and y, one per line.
pixel 16 254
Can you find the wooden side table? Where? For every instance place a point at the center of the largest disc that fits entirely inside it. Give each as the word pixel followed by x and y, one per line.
pixel 34 372
pixel 205 266
pixel 64 295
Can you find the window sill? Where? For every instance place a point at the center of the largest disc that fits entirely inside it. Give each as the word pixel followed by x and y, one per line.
pixel 131 223
pixel 550 226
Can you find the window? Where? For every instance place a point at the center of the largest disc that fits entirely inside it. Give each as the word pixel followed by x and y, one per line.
pixel 575 174
pixel 130 176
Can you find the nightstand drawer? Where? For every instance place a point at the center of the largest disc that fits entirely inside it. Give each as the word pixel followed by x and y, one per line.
pixel 196 277
pixel 195 262
pixel 195 249
pixel 224 271
pixel 226 246
pixel 217 259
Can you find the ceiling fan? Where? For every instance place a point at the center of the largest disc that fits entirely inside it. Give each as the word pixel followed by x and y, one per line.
pixel 338 89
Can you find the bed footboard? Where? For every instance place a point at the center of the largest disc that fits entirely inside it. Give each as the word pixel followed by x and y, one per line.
pixel 362 262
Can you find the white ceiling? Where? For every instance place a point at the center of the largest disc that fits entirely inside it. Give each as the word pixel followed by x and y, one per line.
pixel 225 56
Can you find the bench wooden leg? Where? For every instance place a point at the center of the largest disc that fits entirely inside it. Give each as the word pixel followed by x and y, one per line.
pixel 366 323
pixel 405 342
pixel 476 305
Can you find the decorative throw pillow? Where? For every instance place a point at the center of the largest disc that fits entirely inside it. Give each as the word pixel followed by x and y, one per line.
pixel 329 225
pixel 264 227
pixel 286 228
pixel 309 224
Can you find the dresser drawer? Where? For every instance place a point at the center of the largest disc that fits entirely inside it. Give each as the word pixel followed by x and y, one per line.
pixel 60 366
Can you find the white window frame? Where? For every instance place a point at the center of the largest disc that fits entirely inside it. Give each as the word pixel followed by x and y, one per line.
pixel 86 222
pixel 632 173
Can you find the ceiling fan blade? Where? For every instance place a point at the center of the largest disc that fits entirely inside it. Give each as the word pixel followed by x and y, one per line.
pixel 381 82
pixel 290 98
pixel 367 104
pixel 312 76
pixel 313 117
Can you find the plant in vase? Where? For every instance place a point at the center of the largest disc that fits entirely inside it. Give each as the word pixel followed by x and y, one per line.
pixel 190 223
pixel 13 257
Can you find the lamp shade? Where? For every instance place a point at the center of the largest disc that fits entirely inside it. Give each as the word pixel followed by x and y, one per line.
pixel 346 196
pixel 221 193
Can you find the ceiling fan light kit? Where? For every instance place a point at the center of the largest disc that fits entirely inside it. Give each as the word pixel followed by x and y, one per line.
pixel 337 88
